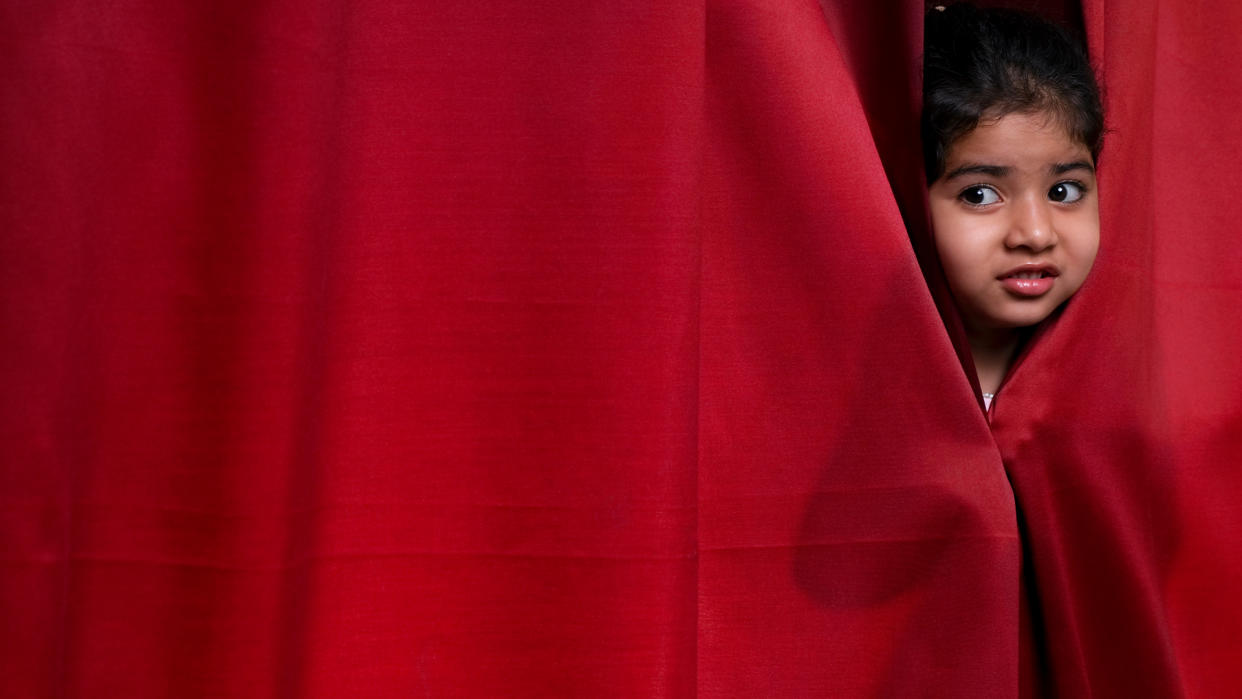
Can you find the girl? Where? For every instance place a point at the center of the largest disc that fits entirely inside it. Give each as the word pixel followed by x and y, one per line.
pixel 1012 126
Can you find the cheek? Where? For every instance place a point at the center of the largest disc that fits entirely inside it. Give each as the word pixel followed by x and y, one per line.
pixel 960 243
pixel 1090 254
pixel 961 268
pixel 1085 244
pixel 943 231
pixel 1093 241
pixel 941 210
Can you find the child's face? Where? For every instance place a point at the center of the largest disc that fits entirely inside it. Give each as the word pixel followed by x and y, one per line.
pixel 1016 220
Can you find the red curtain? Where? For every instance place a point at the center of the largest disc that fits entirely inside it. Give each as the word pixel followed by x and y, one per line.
pixel 579 349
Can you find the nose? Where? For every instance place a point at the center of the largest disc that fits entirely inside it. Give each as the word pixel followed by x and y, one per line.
pixel 1031 225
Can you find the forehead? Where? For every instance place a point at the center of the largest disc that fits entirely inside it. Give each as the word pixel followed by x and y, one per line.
pixel 1015 139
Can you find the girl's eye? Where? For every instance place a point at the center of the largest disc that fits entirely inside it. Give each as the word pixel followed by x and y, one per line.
pixel 1066 192
pixel 979 195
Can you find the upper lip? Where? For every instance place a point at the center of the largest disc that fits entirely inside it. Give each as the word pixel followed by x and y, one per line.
pixel 1044 268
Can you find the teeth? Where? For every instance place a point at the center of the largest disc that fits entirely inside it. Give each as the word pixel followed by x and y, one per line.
pixel 1028 275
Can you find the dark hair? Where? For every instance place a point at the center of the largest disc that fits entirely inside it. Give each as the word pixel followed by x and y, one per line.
pixel 986 63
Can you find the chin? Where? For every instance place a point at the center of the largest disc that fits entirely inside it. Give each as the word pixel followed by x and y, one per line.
pixel 1007 319
pixel 1017 321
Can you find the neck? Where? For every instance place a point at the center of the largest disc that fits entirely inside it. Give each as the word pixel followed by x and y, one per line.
pixel 993 350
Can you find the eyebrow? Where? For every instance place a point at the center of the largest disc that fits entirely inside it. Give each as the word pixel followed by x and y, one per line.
pixel 1004 170
pixel 977 169
pixel 1062 168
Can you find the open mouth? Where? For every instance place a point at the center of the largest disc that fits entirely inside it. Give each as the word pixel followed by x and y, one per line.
pixel 1031 271
pixel 1029 281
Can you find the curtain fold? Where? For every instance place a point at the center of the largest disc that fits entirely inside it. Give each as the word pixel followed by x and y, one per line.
pixel 841 501
pixel 573 349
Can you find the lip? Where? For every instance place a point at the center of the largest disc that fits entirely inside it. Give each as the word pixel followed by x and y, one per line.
pixel 1030 288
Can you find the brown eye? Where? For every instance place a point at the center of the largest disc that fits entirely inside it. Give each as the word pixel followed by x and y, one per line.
pixel 979 195
pixel 1066 192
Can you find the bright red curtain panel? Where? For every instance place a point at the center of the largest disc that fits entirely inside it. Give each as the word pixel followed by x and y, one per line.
pixel 350 348
pixel 382 349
